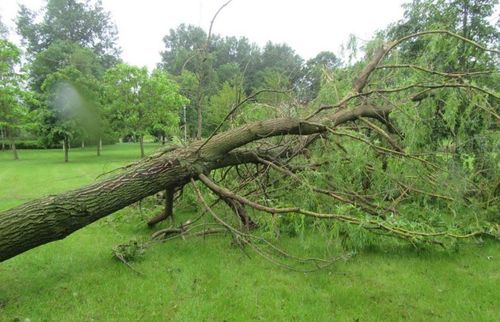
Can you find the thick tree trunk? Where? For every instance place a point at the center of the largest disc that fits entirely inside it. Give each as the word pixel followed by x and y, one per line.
pixel 55 217
pixel 141 143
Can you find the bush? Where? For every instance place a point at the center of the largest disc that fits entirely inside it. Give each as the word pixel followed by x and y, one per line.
pixel 25 144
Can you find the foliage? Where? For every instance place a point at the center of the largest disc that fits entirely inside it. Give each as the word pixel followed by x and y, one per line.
pixel 71 105
pixel 129 252
pixel 472 19
pixel 59 55
pixel 204 68
pixel 13 98
pixel 138 102
pixel 85 23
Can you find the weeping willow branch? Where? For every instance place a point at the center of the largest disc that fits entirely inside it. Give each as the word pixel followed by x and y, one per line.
pixel 436 72
pixel 369 224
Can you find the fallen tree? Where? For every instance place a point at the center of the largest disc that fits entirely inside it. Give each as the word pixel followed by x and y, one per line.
pixel 55 217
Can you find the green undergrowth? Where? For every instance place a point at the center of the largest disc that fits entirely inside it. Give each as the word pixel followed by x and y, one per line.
pixel 212 279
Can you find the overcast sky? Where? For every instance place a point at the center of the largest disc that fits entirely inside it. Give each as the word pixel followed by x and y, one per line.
pixel 308 26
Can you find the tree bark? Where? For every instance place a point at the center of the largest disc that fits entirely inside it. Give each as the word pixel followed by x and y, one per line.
pixel 169 208
pixel 141 143
pixel 55 217
pixel 99 147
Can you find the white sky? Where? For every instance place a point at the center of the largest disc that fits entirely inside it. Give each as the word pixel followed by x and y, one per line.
pixel 308 26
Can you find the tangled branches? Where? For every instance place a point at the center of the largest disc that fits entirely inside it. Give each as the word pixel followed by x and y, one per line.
pixel 397 178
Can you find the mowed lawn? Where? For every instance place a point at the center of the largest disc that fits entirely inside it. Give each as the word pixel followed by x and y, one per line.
pixel 77 279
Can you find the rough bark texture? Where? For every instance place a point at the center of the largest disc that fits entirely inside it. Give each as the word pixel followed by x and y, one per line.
pixel 55 217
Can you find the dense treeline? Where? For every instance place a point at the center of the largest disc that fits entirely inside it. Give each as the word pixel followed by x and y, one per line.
pixel 66 94
pixel 71 49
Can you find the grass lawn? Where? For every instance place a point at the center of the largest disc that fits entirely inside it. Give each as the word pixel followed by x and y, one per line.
pixel 77 279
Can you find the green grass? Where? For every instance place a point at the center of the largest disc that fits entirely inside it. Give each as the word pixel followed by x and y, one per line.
pixel 77 279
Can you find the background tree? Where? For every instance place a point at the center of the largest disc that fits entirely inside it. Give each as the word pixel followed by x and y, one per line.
pixel 79 67
pixel 314 73
pixel 283 60
pixel 59 55
pixel 85 23
pixel 74 42
pixel 71 107
pixel 188 48
pixel 141 102
pixel 13 112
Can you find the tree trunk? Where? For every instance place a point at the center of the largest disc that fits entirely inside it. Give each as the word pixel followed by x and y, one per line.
pixel 13 147
pixel 66 148
pixel 12 141
pixel 141 143
pixel 83 144
pixel 99 147
pixel 2 138
pixel 55 217
pixel 200 122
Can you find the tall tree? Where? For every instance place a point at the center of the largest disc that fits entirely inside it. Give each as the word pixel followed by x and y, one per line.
pixel 313 74
pixel 71 106
pixel 281 58
pixel 13 113
pixel 84 22
pixel 70 41
pixel 210 63
pixel 79 67
pixel 189 48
